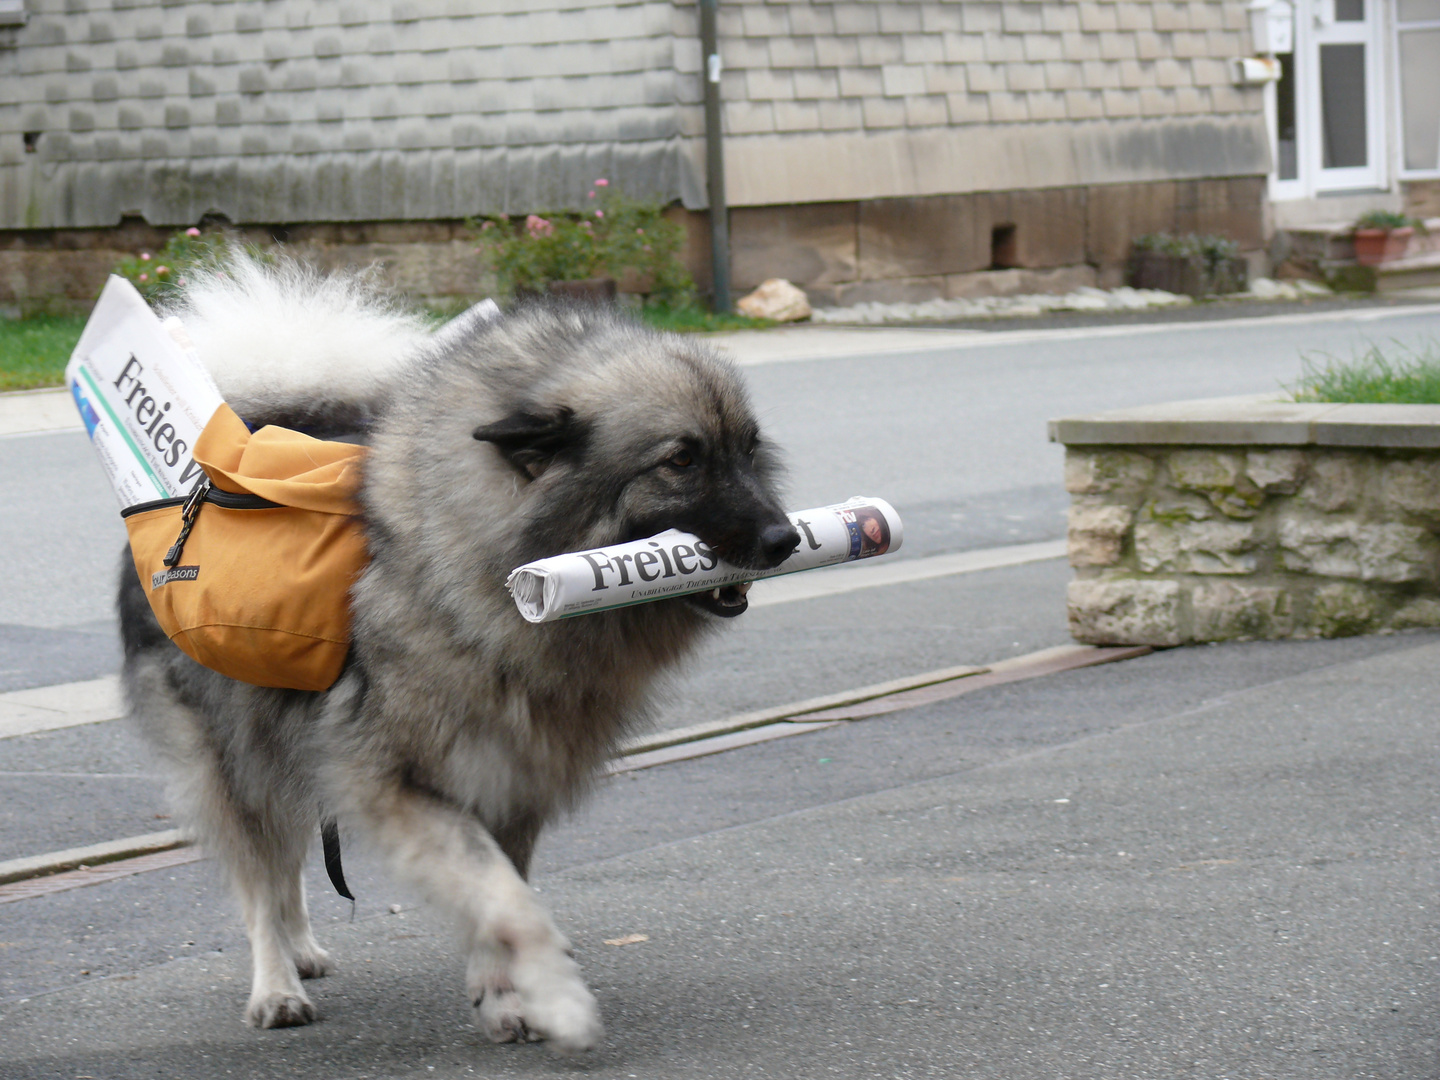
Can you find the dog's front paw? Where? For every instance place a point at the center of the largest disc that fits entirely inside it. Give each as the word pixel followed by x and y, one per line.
pixel 555 1002
pixel 498 1013
pixel 279 1009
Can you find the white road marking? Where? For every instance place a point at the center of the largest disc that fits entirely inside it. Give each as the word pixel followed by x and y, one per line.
pixel 852 577
pixel 47 708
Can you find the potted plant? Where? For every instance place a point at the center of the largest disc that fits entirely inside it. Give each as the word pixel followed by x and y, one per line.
pixel 1382 235
pixel 1190 265
pixel 615 244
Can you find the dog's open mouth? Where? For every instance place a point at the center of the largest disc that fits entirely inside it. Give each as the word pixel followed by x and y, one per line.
pixel 726 601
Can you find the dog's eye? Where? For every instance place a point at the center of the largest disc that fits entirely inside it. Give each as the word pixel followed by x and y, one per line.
pixel 682 459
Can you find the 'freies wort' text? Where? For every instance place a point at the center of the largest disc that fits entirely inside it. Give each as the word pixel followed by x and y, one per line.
pixel 149 412
pixel 677 560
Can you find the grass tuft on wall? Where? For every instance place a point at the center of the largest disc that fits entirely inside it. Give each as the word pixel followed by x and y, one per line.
pixel 1394 375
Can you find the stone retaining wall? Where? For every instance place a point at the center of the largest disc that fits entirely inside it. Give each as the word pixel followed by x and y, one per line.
pixel 1252 518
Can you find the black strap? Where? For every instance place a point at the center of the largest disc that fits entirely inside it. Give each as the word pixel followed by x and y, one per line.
pixel 330 840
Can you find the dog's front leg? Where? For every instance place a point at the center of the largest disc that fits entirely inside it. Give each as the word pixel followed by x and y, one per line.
pixel 520 975
pixel 276 999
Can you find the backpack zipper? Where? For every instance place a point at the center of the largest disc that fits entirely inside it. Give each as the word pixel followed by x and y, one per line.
pixel 190 509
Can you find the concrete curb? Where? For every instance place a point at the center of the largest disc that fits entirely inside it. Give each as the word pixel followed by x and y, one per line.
pixel 92 855
pixel 32 412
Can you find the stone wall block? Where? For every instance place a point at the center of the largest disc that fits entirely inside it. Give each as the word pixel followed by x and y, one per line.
pixel 1220 476
pixel 1125 612
pixel 1100 472
pixel 1096 533
pixel 1200 547
pixel 1342 609
pixel 1412 487
pixel 1169 507
pixel 1226 611
pixel 1422 613
pixel 1276 472
pixel 1347 548
pixel 1335 483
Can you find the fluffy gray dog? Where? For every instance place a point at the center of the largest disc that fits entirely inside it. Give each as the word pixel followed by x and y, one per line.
pixel 457 729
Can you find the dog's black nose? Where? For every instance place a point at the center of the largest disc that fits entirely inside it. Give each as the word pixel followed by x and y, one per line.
pixel 778 542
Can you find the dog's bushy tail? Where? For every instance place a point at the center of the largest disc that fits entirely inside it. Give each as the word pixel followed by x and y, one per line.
pixel 287 344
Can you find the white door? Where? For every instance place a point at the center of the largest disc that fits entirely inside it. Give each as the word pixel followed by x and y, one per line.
pixel 1329 109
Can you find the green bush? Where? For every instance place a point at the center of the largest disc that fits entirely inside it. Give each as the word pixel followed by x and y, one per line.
pixel 1386 220
pixel 1210 252
pixel 1410 377
pixel 159 274
pixel 614 235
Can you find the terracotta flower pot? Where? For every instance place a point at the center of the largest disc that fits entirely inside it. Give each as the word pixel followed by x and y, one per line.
pixel 1376 246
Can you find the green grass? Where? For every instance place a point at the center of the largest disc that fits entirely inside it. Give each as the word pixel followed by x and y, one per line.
pixel 1406 377
pixel 34 352
pixel 691 320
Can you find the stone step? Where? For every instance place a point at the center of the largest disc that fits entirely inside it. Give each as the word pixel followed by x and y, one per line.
pixel 1334 242
pixel 1415 272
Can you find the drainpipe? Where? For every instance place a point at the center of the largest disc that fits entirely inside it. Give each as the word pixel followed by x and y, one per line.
pixel 715 158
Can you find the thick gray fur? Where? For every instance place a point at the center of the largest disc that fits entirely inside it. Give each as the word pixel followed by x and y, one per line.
pixel 458 729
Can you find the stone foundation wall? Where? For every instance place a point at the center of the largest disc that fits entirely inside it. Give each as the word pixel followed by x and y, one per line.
pixel 1177 544
pixel 945 246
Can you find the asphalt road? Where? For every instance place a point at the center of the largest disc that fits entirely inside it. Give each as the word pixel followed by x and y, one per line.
pixel 1205 862
pixel 1240 883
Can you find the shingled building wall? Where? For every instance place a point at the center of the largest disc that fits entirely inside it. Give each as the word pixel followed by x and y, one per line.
pixel 874 147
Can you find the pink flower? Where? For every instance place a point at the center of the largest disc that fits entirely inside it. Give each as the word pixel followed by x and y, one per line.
pixel 599 213
pixel 639 232
pixel 487 225
pixel 192 231
pixel 538 226
pixel 162 270
pixel 591 195
pixel 602 182
pixel 144 256
pixel 180 280
pixel 144 277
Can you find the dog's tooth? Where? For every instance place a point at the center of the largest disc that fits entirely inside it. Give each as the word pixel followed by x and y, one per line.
pixel 743 587
pixel 715 594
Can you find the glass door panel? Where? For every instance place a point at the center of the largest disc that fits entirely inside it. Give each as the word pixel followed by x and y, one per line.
pixel 1344 92
pixel 1342 106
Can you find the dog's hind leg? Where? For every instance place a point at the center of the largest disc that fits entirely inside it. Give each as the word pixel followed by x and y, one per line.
pixel 521 977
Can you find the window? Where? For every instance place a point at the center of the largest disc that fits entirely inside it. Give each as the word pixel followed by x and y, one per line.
pixel 1418 33
pixel 12 12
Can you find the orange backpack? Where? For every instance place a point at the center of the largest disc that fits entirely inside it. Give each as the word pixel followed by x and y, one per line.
pixel 251 573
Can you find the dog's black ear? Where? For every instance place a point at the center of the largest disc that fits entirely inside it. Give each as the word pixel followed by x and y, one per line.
pixel 530 439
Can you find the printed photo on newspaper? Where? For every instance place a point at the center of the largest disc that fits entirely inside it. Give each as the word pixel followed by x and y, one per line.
pixel 674 563
pixel 144 397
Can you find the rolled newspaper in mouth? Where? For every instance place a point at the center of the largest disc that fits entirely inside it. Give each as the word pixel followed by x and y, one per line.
pixel 675 563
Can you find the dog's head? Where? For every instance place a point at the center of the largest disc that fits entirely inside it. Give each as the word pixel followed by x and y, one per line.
pixel 623 433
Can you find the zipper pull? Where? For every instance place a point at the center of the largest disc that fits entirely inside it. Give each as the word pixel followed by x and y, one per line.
pixel 188 514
